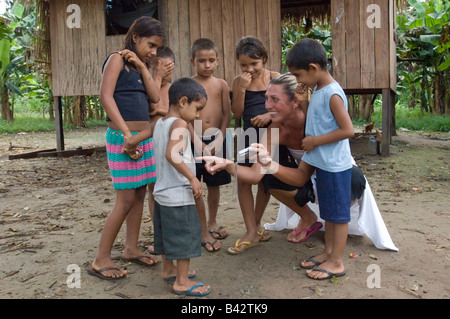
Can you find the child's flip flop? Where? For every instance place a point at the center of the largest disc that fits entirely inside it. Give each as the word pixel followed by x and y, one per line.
pixel 238 243
pixel 329 273
pixel 99 273
pixel 212 231
pixel 190 293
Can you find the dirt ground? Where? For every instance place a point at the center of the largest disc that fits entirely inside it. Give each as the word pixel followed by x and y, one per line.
pixel 52 212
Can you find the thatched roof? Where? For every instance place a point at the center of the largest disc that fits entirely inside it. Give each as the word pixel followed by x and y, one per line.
pixel 318 10
pixel 299 10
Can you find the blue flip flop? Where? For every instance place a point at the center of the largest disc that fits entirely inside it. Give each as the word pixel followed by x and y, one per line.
pixel 190 293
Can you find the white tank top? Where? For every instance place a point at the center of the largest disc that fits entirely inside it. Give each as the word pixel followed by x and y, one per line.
pixel 172 188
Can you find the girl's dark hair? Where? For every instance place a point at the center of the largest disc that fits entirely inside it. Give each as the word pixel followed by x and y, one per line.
pixel 251 47
pixel 305 52
pixel 187 87
pixel 165 52
pixel 143 27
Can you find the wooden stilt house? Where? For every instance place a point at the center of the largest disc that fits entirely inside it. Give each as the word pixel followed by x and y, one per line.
pixel 84 32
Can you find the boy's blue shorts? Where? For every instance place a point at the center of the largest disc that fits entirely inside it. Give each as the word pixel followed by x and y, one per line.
pixel 334 195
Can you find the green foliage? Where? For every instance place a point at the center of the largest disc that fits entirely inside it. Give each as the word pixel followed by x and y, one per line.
pixel 424 50
pixel 293 31
pixel 16 73
pixel 410 118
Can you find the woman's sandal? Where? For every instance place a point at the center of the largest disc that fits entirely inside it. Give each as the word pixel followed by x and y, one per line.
pixel 238 243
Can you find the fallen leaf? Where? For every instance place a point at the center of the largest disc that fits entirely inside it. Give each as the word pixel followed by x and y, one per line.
pixel 373 256
pixel 334 280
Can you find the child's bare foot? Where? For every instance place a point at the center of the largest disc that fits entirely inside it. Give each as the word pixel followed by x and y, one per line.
pixel 172 276
pixel 169 272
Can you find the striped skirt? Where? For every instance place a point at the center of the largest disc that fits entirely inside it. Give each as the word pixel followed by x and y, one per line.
pixel 126 172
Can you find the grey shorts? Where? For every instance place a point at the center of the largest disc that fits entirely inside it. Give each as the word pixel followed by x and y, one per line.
pixel 177 232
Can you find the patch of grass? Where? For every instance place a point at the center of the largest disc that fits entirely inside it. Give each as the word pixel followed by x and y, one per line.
pixel 412 119
pixel 35 123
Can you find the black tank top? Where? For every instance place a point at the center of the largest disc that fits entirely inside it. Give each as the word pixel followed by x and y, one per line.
pixel 130 94
pixel 254 104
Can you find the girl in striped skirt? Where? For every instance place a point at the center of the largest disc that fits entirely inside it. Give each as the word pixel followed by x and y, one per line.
pixel 127 89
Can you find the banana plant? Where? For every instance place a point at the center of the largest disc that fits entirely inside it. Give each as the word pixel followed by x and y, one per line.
pixel 16 31
pixel 423 33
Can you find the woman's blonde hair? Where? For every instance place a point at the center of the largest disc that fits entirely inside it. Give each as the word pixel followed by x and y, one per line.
pixel 288 82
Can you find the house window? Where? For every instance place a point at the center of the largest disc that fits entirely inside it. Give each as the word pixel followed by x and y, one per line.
pixel 120 14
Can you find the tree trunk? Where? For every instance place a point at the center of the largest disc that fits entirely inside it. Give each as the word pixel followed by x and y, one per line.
pixel 439 94
pixel 83 111
pixel 351 106
pixel 7 114
pixel 96 108
pixel 79 111
pixel 447 95
pixel 423 98
pixel 51 111
pixel 412 97
pixel 90 112
pixel 67 111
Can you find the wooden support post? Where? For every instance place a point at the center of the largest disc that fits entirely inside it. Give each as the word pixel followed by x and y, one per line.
pixel 59 124
pixel 387 112
pixel 392 99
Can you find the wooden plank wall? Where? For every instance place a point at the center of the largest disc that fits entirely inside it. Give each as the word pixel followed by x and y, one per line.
pixel 363 58
pixel 224 22
pixel 77 53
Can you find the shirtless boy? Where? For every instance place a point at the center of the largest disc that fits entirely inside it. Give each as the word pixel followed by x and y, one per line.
pixel 210 135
